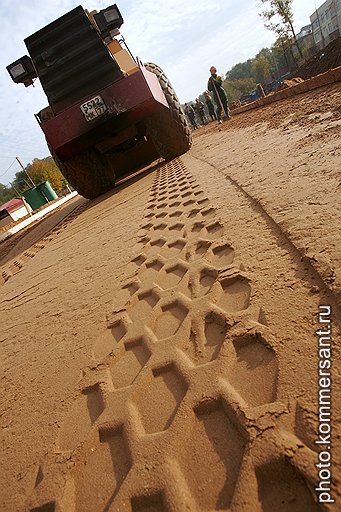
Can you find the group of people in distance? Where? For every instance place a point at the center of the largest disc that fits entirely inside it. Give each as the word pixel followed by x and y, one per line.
pixel 215 86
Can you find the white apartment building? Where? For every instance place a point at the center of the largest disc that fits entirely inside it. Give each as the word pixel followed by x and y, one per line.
pixel 326 22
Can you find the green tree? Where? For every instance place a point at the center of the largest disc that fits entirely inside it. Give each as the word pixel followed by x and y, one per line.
pixel 6 193
pixel 284 45
pixel 278 53
pixel 20 182
pixel 46 170
pixel 236 88
pixel 40 170
pixel 240 70
pixel 261 68
pixel 278 17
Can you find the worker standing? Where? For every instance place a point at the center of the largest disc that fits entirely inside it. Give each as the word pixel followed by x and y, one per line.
pixel 200 109
pixel 210 106
pixel 215 85
pixel 190 113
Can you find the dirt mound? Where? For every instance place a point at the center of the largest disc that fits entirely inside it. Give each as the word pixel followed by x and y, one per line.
pixel 290 83
pixel 328 58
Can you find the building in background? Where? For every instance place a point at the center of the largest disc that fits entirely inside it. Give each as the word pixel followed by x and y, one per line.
pixel 14 210
pixel 306 42
pixel 326 23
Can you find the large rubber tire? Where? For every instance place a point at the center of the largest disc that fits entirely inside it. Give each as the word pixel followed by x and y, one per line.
pixel 168 129
pixel 88 173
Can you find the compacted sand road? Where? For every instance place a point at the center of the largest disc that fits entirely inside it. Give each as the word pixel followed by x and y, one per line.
pixel 158 346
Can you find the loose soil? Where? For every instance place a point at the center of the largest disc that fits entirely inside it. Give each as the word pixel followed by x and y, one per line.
pixel 325 59
pixel 158 346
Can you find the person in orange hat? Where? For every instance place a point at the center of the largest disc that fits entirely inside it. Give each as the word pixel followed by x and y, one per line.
pixel 215 85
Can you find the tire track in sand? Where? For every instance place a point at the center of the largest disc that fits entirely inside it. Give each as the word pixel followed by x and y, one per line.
pixel 179 410
pixel 279 232
pixel 13 267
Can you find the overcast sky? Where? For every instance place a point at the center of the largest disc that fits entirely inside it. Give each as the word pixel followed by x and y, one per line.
pixel 185 37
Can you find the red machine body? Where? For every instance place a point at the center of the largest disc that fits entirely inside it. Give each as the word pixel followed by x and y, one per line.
pixel 128 101
pixel 108 114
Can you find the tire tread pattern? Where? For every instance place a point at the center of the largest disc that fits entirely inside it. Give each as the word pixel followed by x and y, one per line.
pixel 87 173
pixel 168 130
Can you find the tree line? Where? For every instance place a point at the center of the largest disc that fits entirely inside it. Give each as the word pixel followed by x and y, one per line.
pixel 38 171
pixel 243 77
pixel 271 62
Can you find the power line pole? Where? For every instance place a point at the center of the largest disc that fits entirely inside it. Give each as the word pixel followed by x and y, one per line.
pixel 23 168
pixel 15 190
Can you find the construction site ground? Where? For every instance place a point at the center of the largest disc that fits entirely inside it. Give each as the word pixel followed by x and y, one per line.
pixel 158 348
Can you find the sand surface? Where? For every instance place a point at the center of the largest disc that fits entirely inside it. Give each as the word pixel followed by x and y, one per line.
pixel 157 345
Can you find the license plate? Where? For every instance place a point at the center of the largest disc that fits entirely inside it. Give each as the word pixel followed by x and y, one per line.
pixel 93 108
